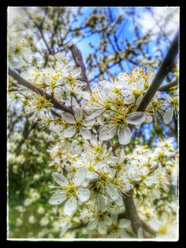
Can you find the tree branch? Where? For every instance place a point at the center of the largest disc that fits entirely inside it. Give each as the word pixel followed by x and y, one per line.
pixel 164 69
pixel 168 86
pixel 77 56
pixel 132 212
pixel 39 91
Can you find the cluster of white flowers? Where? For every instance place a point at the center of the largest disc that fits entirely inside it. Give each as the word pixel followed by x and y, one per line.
pixel 19 51
pixel 98 180
pixel 92 176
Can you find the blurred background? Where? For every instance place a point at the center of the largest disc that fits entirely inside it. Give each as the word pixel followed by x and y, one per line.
pixel 112 40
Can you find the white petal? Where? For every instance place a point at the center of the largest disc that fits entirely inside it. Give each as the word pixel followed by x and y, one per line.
pixel 76 72
pixel 92 175
pixel 79 176
pixel 78 149
pixel 101 166
pixel 78 114
pixel 122 155
pixel 101 227
pixel 122 84
pixel 85 133
pixel 168 115
pixel 101 202
pixel 69 132
pixel 114 217
pixel 124 136
pixel 107 220
pixel 129 99
pixel 119 201
pixel 148 182
pixel 68 118
pixel 140 84
pixel 60 179
pixel 86 182
pixel 112 191
pixel 94 114
pixel 88 123
pixel 57 198
pixel 58 92
pixel 92 225
pixel 83 194
pixel 135 118
pixel 107 132
pixel 70 206
pixel 64 229
pixel 93 140
pixel 124 223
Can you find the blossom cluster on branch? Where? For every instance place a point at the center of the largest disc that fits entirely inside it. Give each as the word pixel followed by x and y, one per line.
pixel 92 178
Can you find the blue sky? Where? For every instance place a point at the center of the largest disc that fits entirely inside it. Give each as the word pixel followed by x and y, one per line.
pixel 146 23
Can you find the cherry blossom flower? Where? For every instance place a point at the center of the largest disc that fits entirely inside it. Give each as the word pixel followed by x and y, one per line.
pixel 70 191
pixel 77 124
pixel 118 124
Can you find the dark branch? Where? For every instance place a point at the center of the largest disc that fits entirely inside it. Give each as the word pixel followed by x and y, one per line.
pixel 168 86
pixel 164 69
pixel 132 212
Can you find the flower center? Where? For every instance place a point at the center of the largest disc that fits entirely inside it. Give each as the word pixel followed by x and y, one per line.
pixel 117 91
pixel 98 149
pixel 119 120
pixel 78 124
pixel 70 79
pixel 70 189
pixel 162 230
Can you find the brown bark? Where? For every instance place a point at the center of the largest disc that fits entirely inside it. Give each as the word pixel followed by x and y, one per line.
pixel 132 212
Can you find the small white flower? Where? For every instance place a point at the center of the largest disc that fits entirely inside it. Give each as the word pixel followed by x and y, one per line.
pixel 101 222
pixel 78 124
pixel 119 122
pixel 31 219
pixel 70 190
pixel 41 210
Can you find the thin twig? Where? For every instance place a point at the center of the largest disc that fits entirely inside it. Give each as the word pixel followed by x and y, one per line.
pixel 168 86
pixel 77 56
pixel 39 27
